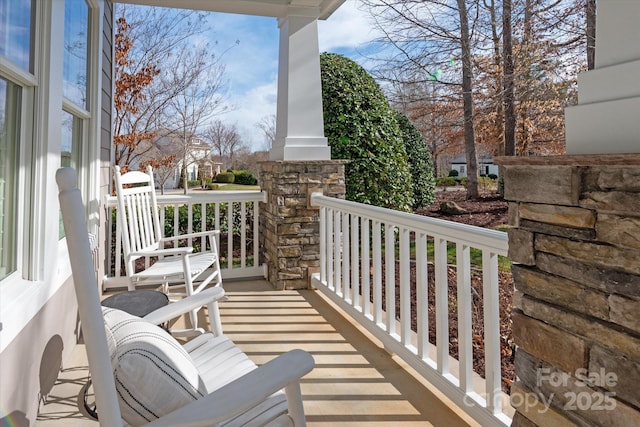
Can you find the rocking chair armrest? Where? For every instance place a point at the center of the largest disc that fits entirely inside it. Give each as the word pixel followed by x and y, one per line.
pixel 178 308
pixel 191 235
pixel 186 250
pixel 243 393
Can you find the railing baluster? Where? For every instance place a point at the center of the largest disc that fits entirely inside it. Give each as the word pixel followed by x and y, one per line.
pixel 337 246
pixel 230 235
pixel 118 256
pixel 366 268
pixel 346 263
pixel 323 244
pixel 176 223
pixel 463 274
pixel 390 277
pixel 422 294
pixel 442 303
pixel 189 223
pixel 330 248
pixel 216 215
pixel 491 330
pixel 405 287
pixel 203 224
pixel 355 259
pixel 162 219
pixel 243 234
pixel 256 233
pixel 377 272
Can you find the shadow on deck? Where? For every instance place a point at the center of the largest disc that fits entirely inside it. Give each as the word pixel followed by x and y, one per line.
pixel 355 381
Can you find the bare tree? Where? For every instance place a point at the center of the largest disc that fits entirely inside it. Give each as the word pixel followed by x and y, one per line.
pixel 145 45
pixel 432 41
pixel 268 127
pixel 508 69
pixel 200 100
pixel 591 34
pixel 467 99
pixel 226 141
pixel 163 168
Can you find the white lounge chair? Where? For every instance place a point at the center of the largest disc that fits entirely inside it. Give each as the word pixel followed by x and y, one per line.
pixel 139 371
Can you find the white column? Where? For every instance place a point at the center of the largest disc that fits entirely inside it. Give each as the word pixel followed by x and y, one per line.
pixel 607 117
pixel 299 126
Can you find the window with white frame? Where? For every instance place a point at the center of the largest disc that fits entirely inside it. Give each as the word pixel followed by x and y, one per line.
pixel 16 67
pixel 75 112
pixel 9 139
pixel 39 71
pixel 16 32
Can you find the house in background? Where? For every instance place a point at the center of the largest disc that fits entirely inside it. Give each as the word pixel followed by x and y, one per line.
pixel 195 154
pixel 485 165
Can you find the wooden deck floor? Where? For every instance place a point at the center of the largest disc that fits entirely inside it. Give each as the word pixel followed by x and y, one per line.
pixel 355 381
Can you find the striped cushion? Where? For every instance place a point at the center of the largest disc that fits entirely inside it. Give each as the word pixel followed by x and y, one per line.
pixel 154 375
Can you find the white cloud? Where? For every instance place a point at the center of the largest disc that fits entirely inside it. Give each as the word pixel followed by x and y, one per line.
pixel 252 65
pixel 349 27
pixel 250 108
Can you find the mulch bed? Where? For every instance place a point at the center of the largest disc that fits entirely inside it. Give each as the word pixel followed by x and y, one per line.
pixel 505 296
pixel 489 211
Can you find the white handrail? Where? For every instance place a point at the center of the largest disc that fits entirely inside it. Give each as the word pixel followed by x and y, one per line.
pixel 233 204
pixel 361 243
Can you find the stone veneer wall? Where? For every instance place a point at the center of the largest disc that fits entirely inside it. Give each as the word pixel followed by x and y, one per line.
pixel 576 317
pixel 289 226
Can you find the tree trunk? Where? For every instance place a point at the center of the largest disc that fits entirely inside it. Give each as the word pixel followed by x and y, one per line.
pixel 508 93
pixel 498 83
pixel 467 98
pixel 591 34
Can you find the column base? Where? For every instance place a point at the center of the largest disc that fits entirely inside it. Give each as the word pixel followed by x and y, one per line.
pixel 301 149
pixel 289 225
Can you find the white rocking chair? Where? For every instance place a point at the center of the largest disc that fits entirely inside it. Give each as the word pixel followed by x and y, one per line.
pixel 142 236
pixel 125 353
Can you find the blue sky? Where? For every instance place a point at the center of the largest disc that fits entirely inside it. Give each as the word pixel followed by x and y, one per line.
pixel 252 64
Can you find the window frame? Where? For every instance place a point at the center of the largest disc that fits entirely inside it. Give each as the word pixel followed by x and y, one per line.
pixel 42 258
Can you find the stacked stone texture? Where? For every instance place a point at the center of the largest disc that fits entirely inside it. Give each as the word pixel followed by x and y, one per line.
pixel 289 226
pixel 576 237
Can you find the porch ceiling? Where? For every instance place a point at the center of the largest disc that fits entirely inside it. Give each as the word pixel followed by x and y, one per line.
pixel 321 9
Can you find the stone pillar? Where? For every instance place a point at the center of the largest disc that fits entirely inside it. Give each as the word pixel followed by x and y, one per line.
pixel 289 226
pixel 576 315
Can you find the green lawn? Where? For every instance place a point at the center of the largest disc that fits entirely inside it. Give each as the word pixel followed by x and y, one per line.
pixel 504 263
pixel 238 187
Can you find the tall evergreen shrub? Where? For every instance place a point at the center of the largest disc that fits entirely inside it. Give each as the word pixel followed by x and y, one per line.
pixel 420 163
pixel 361 127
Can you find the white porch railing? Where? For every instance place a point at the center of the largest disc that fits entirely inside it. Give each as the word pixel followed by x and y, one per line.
pixel 359 243
pixel 234 214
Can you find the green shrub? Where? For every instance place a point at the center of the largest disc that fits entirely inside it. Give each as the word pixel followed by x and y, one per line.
pixel 446 182
pixel 226 178
pixel 361 127
pixel 212 186
pixel 193 183
pixel 420 163
pixel 243 177
pixel 453 172
pixel 493 176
